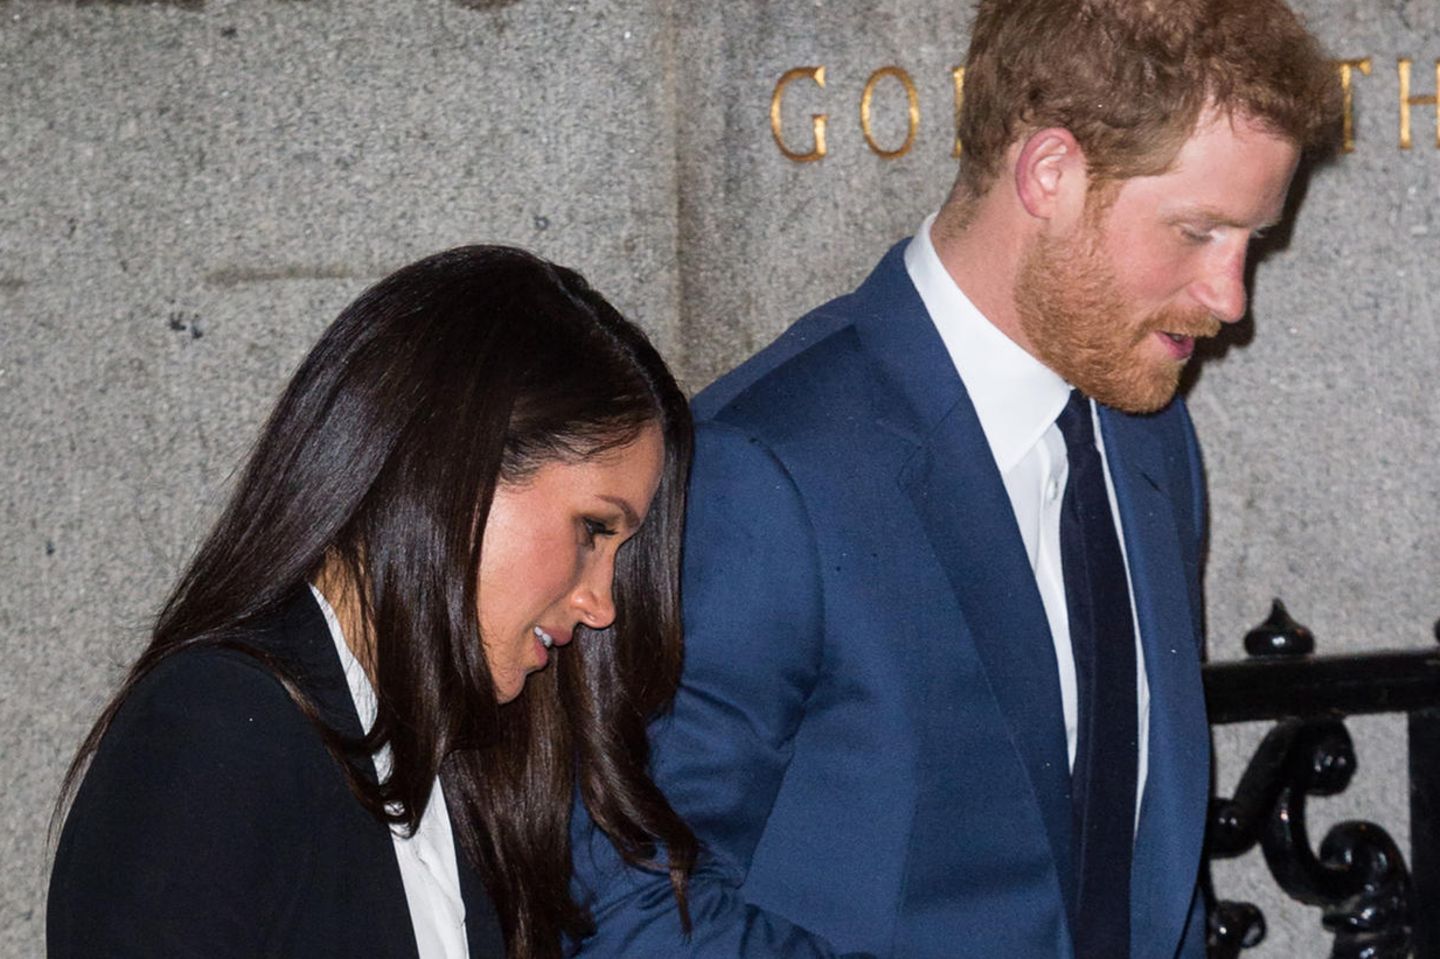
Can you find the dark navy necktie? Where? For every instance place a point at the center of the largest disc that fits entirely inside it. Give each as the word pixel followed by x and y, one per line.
pixel 1102 636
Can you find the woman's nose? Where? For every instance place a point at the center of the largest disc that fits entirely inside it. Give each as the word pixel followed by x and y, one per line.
pixel 594 599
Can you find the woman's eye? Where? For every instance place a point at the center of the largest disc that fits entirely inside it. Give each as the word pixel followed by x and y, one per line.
pixel 594 528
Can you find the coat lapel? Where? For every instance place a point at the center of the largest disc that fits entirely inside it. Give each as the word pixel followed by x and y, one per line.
pixel 962 503
pixel 312 653
pixel 483 934
pixel 960 499
pixel 309 652
pixel 1172 812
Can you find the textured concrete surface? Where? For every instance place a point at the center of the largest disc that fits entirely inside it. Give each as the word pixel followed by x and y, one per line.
pixel 190 190
pixel 1320 431
pixel 188 194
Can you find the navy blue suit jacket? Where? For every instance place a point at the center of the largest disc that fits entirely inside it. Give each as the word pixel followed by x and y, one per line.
pixel 868 737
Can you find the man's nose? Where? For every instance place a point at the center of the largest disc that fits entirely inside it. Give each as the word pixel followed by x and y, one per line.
pixel 1222 289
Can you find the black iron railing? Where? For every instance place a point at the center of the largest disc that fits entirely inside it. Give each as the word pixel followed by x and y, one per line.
pixel 1375 905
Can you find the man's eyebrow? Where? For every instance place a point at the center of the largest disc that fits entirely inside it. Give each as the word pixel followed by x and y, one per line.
pixel 1210 214
pixel 631 516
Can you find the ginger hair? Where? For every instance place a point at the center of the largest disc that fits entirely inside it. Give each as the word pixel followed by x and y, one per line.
pixel 1131 78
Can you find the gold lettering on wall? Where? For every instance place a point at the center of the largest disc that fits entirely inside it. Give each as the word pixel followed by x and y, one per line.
pixel 957 74
pixel 912 98
pixel 1347 69
pixel 1352 91
pixel 1407 101
pixel 817 120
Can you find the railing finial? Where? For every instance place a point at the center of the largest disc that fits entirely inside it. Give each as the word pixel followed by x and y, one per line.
pixel 1280 635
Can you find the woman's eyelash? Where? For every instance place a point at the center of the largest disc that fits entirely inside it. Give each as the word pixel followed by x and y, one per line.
pixel 594 528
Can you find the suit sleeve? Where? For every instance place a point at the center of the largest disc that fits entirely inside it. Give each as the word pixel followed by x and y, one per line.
pixel 754 621
pixel 187 836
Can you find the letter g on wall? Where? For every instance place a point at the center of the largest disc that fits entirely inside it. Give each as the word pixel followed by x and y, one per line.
pixel 817 120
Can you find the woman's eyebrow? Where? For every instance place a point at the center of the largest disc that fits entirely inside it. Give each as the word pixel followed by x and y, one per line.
pixel 631 517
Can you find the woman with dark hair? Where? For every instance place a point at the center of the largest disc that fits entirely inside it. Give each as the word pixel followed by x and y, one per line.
pixel 331 701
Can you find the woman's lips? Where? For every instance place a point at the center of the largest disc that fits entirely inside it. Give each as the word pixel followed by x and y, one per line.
pixel 549 638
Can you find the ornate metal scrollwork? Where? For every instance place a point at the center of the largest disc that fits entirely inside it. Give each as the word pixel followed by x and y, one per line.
pixel 1359 877
pixel 1234 926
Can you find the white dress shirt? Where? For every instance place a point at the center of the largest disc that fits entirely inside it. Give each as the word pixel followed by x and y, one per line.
pixel 1017 399
pixel 427 859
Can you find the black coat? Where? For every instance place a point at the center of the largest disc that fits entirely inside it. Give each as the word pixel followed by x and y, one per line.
pixel 213 822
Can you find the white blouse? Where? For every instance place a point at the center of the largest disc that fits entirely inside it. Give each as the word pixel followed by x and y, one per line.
pixel 427 859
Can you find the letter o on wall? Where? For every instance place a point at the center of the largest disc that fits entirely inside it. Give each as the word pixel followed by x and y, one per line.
pixel 912 97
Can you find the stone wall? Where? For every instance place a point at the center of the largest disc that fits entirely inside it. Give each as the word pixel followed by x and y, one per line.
pixel 190 190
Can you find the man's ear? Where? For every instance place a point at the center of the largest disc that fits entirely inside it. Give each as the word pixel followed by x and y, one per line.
pixel 1051 175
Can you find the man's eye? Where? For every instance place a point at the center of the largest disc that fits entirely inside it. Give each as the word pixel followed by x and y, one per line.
pixel 1194 236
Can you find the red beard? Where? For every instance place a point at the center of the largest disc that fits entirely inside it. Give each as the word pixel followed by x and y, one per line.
pixel 1078 322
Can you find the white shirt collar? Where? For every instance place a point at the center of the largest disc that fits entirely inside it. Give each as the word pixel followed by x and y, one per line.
pixel 1016 397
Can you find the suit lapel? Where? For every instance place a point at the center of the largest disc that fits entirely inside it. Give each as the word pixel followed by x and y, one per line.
pixel 312 653
pixel 483 935
pixel 309 652
pixel 962 503
pixel 1172 813
pixel 960 499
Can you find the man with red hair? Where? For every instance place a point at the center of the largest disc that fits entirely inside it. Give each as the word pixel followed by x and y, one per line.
pixel 942 684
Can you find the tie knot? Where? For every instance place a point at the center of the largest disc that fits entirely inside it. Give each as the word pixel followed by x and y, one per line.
pixel 1077 426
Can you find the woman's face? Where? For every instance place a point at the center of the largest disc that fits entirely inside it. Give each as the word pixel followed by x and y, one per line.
pixel 547 560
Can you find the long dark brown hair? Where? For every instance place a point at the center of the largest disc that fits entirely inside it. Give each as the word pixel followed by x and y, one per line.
pixel 465 370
